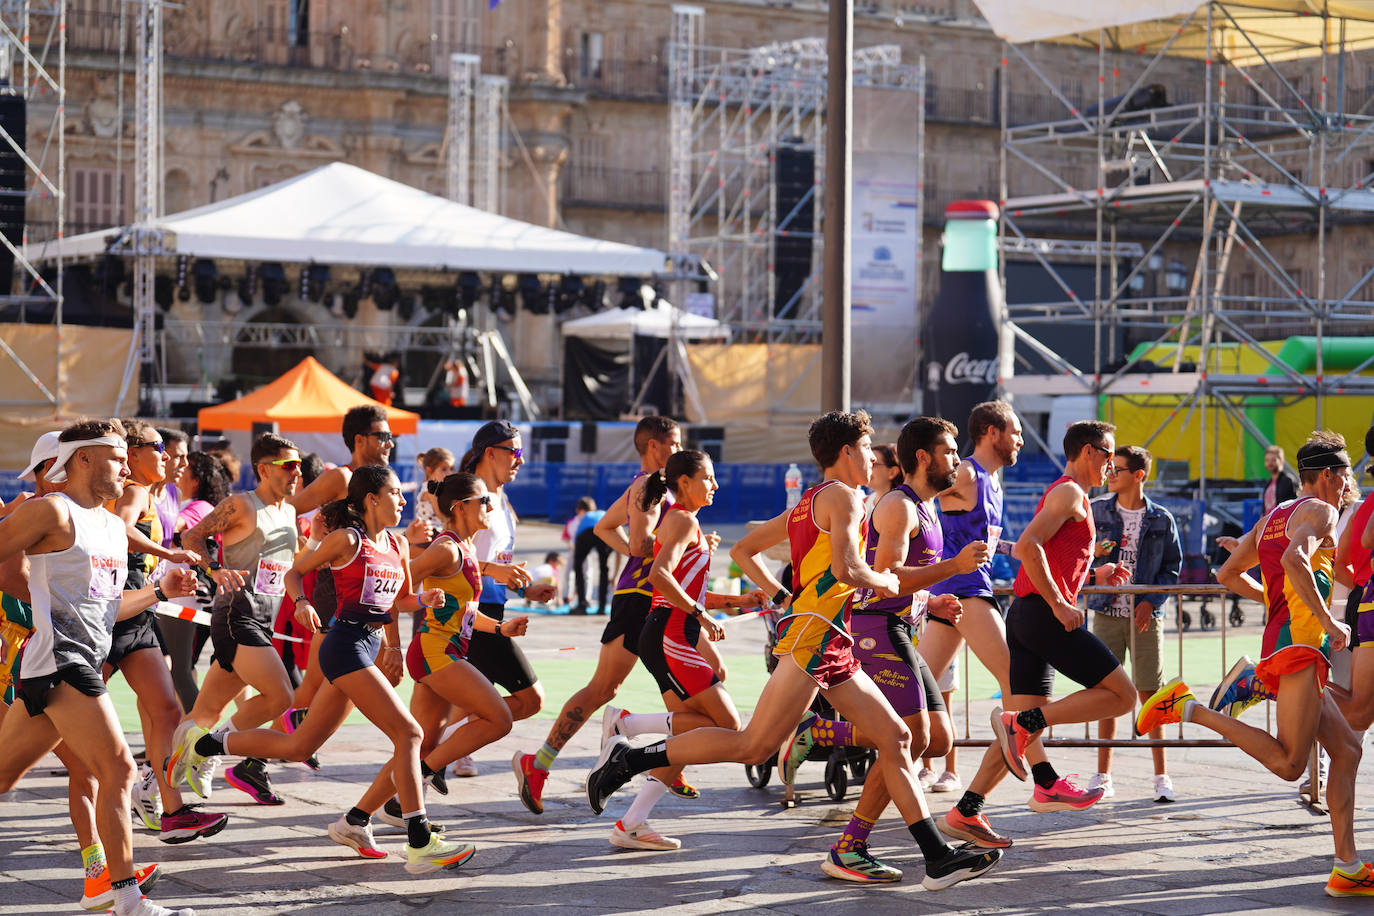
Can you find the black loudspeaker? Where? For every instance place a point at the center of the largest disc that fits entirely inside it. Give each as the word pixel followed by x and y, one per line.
pixel 555 452
pixel 588 443
pixel 794 178
pixel 13 117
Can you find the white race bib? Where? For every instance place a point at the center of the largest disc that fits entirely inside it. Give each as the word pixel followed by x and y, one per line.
pixel 505 556
pixel 381 585
pixel 469 618
pixel 271 577
pixel 107 577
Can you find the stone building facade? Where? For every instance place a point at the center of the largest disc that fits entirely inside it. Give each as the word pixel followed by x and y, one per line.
pixel 256 91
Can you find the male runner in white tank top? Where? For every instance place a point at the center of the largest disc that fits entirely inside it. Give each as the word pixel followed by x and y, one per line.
pixel 78 555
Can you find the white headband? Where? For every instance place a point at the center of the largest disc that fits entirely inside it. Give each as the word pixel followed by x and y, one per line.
pixel 58 472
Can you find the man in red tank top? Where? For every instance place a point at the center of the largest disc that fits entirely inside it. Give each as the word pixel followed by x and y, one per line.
pixel 1293 546
pixel 1045 634
pixel 1353 570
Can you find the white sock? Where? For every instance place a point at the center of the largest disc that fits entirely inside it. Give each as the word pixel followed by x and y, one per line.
pixel 1187 714
pixel 646 723
pixel 648 796
pixel 127 899
pixel 1350 867
pixel 448 732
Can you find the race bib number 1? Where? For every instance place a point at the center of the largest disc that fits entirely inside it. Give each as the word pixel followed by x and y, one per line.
pixel 271 577
pixel 107 577
pixel 381 585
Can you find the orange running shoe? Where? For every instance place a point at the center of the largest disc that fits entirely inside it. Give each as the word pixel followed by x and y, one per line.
pixel 1164 708
pixel 98 895
pixel 1343 884
pixel 975 830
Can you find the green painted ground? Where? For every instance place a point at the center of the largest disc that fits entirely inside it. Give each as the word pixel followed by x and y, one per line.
pixel 1203 665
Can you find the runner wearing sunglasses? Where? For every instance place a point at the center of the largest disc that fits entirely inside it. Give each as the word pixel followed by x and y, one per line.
pixel 257 534
pixel 496 457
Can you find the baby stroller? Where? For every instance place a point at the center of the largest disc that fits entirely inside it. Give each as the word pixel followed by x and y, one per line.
pixel 841 763
pixel 1200 569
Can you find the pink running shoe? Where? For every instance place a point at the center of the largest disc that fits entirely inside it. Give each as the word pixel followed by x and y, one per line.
pixel 1064 795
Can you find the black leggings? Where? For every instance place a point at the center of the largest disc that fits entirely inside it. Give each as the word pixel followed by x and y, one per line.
pixel 583 545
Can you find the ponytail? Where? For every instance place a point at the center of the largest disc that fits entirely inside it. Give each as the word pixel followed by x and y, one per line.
pixel 680 464
pixel 453 488
pixel 349 511
pixel 470 458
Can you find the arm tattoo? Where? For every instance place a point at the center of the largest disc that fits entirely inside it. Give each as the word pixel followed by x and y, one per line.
pixel 220 519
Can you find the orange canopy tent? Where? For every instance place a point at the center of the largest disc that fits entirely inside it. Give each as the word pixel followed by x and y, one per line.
pixel 307 399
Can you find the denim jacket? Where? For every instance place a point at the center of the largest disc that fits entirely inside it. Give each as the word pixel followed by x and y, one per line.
pixel 1158 559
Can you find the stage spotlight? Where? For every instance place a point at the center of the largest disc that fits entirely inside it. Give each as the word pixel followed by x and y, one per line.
pixel 314 278
pixel 350 305
pixel 183 265
pixel 164 291
pixel 273 282
pixel 627 290
pixel 385 292
pixel 203 277
pixel 248 286
pixel 570 290
pixel 532 294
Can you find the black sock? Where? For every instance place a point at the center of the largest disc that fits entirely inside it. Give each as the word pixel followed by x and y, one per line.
pixel 176 812
pixel 927 836
pixel 392 807
pixel 1044 775
pixel 970 805
pixel 425 771
pixel 210 746
pixel 357 817
pixel 648 758
pixel 1032 720
pixel 417 831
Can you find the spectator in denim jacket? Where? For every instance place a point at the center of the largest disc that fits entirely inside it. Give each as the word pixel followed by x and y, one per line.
pixel 1140 534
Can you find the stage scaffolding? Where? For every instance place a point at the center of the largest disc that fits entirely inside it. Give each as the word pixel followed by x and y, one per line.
pixel 33 65
pixel 729 112
pixel 1218 178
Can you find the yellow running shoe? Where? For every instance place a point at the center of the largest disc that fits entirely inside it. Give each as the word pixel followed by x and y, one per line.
pixel 1164 708
pixel 437 855
pixel 1343 884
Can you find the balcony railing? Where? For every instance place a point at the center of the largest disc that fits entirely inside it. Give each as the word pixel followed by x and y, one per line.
pixel 644 189
pixel 617 77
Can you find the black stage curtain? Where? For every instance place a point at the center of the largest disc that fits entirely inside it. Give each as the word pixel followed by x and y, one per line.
pixel 596 380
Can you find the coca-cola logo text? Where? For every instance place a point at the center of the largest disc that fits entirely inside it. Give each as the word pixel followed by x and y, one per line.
pixel 962 370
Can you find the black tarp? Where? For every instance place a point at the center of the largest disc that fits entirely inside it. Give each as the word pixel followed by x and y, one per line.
pixel 596 380
pixel 648 366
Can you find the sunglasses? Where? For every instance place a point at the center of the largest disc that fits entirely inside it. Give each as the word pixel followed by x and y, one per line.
pixel 383 437
pixel 484 499
pixel 1102 449
pixel 159 447
pixel 290 464
pixel 516 453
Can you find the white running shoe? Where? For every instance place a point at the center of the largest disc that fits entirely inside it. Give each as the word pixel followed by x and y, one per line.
pixel 642 837
pixel 610 722
pixel 146 907
pixel 948 782
pixel 1164 788
pixel 926 777
pixel 144 801
pixel 201 777
pixel 356 838
pixel 1102 781
pixel 464 766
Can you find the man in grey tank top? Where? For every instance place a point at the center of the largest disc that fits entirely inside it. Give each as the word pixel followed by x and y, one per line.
pixel 258 534
pixel 78 556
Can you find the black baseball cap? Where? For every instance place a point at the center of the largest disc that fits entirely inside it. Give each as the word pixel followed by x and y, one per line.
pixel 493 433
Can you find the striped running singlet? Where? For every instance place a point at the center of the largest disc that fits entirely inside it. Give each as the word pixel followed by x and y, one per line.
pixel 460 590
pixel 925 548
pixel 691 571
pixel 1290 621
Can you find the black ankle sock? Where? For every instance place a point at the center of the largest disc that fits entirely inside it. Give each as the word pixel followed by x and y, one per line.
pixel 1032 720
pixel 927 836
pixel 970 805
pixel 357 817
pixel 176 812
pixel 425 771
pixel 1044 775
pixel 648 758
pixel 392 807
pixel 417 831
pixel 210 746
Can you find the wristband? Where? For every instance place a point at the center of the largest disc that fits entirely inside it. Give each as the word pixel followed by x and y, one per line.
pixel 296 601
pixel 214 566
pixel 781 597
pixel 392 648
pixel 158 593
pixel 699 609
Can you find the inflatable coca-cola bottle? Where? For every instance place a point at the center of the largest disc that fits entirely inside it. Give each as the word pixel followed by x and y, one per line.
pixel 959 365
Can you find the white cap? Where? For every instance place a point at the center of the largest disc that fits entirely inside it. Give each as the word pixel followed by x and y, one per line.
pixel 43 450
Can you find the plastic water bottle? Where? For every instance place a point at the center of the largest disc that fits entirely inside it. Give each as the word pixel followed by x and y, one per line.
pixel 792 483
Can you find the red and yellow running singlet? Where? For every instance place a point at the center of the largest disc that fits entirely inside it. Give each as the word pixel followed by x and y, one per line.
pixel 1293 636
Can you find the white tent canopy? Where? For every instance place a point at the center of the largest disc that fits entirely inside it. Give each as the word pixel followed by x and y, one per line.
pixel 341 214
pixel 623 323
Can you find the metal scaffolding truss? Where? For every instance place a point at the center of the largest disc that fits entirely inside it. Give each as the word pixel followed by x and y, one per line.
pixel 729 112
pixel 1217 180
pixel 33 65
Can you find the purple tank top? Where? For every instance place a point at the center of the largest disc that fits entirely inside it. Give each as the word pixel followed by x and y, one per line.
pixel 924 549
pixel 963 528
pixel 634 578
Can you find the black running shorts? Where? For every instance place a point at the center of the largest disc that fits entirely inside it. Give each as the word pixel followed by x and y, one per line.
pixel 133 634
pixel 246 621
pixel 348 646
pixel 34 690
pixel 498 657
pixel 628 612
pixel 1039 646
